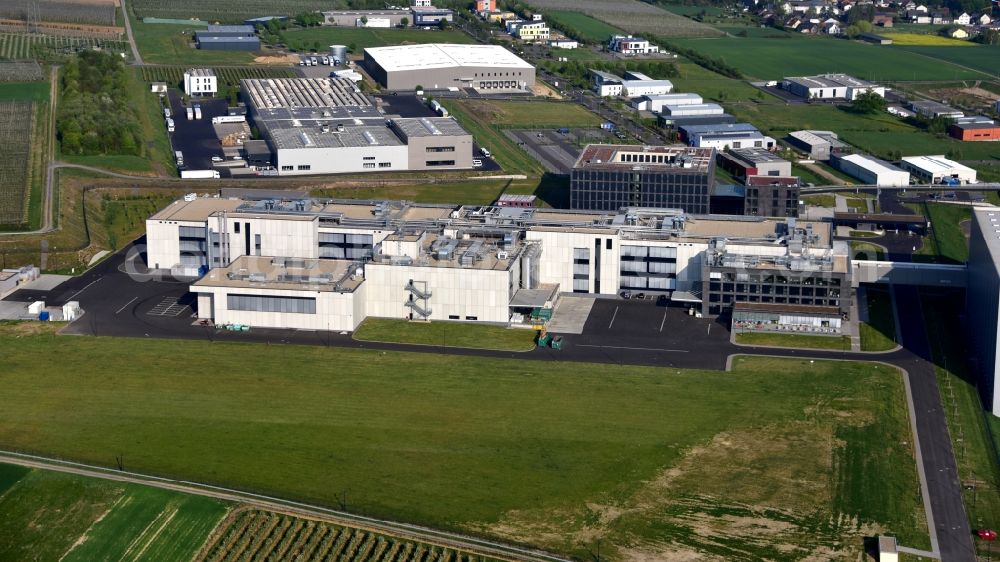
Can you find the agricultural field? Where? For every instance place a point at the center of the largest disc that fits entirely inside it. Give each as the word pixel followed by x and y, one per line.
pixel 224 11
pixel 534 115
pixel 795 55
pixel 16 124
pixel 586 28
pixel 985 58
pixel 21 71
pixel 804 474
pixel 53 516
pixel 90 12
pixel 924 40
pixel 632 16
pixel 360 38
pixel 254 535
pixel 228 75
pixel 25 46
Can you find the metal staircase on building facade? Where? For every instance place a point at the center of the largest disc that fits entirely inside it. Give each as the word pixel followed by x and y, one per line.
pixel 418 298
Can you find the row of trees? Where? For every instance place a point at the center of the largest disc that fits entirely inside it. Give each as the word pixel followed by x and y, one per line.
pixel 96 115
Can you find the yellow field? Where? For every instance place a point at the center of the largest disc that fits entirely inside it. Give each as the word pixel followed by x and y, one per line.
pixel 923 40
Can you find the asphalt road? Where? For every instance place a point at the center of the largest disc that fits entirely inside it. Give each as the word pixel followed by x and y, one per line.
pixel 118 303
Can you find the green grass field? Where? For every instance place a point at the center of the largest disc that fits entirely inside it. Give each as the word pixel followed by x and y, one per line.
pixel 52 516
pixel 946 243
pixel 452 334
pixel 879 333
pixel 28 91
pixel 551 190
pixel 842 343
pixel 589 29
pixel 797 55
pixel 985 58
pixel 547 453
pixel 361 38
pixel 510 157
pixel 533 114
pixel 168 44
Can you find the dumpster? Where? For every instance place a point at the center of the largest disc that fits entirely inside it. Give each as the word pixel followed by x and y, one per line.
pixel 543 340
pixel 557 342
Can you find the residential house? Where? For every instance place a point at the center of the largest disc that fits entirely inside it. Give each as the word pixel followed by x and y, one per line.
pixel 940 18
pixel 808 28
pixel 958 33
pixel 883 20
pixel 831 28
pixel 916 16
pixel 983 19
pixel 793 23
pixel 964 19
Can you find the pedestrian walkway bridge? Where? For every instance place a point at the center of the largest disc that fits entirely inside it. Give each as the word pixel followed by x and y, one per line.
pixel 907 273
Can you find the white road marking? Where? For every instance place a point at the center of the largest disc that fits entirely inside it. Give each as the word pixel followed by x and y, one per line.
pixel 709 330
pixel 633 348
pixel 126 304
pixel 664 321
pixel 85 288
pixel 613 318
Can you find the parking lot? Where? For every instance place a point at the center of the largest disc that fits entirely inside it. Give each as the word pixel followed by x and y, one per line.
pixel 195 138
pixel 645 331
pixel 555 150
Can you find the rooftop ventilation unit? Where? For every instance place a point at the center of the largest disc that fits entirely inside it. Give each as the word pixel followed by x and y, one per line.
pixel 431 127
pixel 305 139
pixel 370 138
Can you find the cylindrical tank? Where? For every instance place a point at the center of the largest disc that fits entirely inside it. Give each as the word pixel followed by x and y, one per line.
pixel 339 53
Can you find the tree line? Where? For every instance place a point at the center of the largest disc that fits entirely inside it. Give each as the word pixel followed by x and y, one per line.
pixel 96 115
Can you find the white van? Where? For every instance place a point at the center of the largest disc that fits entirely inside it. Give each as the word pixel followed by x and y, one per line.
pixel 485 152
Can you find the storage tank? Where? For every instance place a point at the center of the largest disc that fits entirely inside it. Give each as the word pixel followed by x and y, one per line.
pixel 339 53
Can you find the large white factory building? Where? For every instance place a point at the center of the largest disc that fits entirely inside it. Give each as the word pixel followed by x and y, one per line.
pixel 327 265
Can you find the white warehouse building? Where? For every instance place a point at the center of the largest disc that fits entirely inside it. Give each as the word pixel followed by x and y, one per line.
pixel 633 85
pixel 693 110
pixel 871 170
pixel 830 86
pixel 937 169
pixel 328 264
pixel 655 103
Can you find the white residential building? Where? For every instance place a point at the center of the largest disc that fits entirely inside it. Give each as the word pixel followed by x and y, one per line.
pixel 629 45
pixel 200 82
pixel 633 85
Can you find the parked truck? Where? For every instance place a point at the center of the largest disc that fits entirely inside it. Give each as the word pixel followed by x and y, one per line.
pixel 190 113
pixel 229 119
pixel 197 111
pixel 179 156
pixel 199 174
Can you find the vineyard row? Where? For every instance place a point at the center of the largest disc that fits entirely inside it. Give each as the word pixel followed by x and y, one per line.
pixel 258 536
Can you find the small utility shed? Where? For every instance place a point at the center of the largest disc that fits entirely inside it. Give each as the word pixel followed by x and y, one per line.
pixel 875 39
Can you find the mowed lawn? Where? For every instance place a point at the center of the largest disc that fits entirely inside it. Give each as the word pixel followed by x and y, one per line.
pixel 774 58
pixel 543 452
pixel 588 28
pixel 53 516
pixel 453 334
pixel 171 44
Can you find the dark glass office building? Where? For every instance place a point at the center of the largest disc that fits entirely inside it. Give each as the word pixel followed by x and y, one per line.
pixel 609 177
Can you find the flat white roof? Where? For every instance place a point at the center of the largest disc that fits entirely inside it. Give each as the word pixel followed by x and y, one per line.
pixel 442 55
pixel 936 164
pixel 873 164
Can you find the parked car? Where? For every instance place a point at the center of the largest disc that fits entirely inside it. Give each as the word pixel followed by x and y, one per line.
pixel 485 152
pixel 477 163
pixel 216 159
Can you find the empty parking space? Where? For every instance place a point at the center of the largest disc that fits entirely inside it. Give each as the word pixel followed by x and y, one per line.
pixel 168 306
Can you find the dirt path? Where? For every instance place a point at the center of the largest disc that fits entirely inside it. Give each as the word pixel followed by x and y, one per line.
pixel 821 172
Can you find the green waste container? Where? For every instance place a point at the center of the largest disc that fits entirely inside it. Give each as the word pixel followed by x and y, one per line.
pixel 543 341
pixel 557 342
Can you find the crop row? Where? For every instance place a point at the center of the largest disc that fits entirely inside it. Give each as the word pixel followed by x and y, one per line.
pixel 16 119
pixel 227 75
pixel 224 10
pixel 53 10
pixel 25 46
pixel 21 71
pixel 261 536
